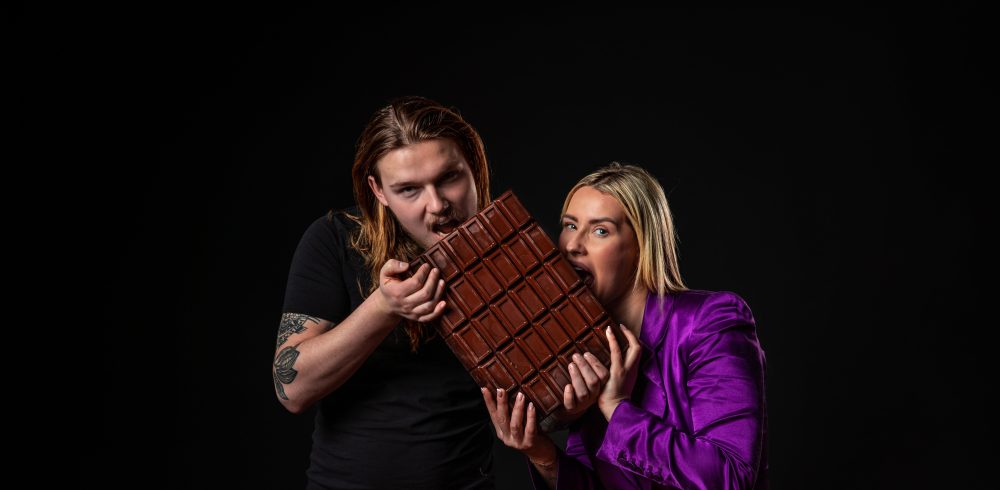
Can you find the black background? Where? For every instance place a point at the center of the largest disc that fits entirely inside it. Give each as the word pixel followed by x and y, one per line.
pixel 827 166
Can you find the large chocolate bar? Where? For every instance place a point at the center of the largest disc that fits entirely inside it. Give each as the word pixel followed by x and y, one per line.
pixel 516 309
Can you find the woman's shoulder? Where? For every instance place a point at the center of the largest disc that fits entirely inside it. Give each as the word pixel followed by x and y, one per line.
pixel 711 310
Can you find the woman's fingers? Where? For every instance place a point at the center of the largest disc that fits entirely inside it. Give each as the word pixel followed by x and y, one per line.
pixel 569 401
pixel 587 371
pixel 529 430
pixel 491 406
pixel 517 418
pixel 634 350
pixel 579 384
pixel 502 410
pixel 599 369
pixel 616 352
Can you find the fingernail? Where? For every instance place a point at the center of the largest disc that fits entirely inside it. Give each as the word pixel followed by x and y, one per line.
pixel 499 392
pixel 531 406
pixel 609 329
pixel 520 396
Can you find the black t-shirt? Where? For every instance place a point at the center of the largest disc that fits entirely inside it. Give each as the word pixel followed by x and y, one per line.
pixel 403 420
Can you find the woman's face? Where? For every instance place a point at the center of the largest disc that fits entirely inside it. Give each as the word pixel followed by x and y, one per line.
pixel 428 186
pixel 598 240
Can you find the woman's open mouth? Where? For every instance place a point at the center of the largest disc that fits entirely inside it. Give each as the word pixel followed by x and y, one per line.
pixel 588 278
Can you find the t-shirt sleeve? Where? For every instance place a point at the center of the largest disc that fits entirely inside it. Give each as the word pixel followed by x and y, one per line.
pixel 316 277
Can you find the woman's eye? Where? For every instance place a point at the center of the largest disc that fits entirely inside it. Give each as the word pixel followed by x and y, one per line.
pixel 407 190
pixel 601 232
pixel 569 225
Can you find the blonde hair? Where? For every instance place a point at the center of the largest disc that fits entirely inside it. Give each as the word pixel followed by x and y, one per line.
pixel 648 212
pixel 406 121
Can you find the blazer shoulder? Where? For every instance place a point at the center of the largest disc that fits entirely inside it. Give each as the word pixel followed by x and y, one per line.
pixel 712 311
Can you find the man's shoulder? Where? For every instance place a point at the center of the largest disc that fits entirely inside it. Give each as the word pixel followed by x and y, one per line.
pixel 337 221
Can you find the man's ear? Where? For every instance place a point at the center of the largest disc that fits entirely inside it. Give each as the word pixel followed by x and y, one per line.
pixel 377 190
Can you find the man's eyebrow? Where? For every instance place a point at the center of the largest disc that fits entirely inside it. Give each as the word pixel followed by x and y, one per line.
pixel 449 166
pixel 602 219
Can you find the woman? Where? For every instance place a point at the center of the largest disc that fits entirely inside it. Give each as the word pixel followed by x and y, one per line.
pixel 395 408
pixel 685 408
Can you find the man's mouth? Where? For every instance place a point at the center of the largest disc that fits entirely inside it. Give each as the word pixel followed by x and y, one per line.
pixel 443 229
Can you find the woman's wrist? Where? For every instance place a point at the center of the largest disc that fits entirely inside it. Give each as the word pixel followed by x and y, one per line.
pixel 547 457
pixel 608 409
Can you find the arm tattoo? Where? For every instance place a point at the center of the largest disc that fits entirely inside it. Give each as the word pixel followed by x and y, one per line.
pixel 283 371
pixel 292 323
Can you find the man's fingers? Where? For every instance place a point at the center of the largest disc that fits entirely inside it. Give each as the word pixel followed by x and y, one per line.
pixel 425 290
pixel 424 308
pixel 439 291
pixel 418 277
pixel 438 308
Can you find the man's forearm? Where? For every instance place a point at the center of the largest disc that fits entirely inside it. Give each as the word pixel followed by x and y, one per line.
pixel 314 368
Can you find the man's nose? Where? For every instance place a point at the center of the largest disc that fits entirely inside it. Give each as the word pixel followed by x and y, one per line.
pixel 436 203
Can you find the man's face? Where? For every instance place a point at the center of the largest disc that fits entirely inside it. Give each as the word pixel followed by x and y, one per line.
pixel 428 186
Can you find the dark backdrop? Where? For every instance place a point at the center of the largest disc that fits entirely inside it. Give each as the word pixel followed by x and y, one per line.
pixel 823 165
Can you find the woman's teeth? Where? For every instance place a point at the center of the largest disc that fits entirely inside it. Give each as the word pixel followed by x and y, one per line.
pixel 588 278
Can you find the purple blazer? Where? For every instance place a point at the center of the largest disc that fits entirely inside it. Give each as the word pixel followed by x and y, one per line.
pixel 696 418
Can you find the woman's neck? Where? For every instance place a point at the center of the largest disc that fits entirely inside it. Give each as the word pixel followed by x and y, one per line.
pixel 631 309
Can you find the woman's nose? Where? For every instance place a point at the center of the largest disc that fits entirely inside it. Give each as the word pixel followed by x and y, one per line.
pixel 574 245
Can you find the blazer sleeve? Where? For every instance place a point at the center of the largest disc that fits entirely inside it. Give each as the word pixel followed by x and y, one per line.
pixel 575 470
pixel 725 388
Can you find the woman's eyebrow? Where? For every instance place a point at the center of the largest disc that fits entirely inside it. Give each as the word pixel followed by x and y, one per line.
pixel 602 219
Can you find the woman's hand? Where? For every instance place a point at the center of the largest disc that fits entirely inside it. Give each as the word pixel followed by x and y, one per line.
pixel 415 298
pixel 587 378
pixel 623 374
pixel 521 430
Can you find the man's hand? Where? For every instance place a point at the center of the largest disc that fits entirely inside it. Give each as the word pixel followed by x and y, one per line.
pixel 416 298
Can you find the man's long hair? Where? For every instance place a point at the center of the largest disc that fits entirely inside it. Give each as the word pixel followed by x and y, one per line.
pixel 405 121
